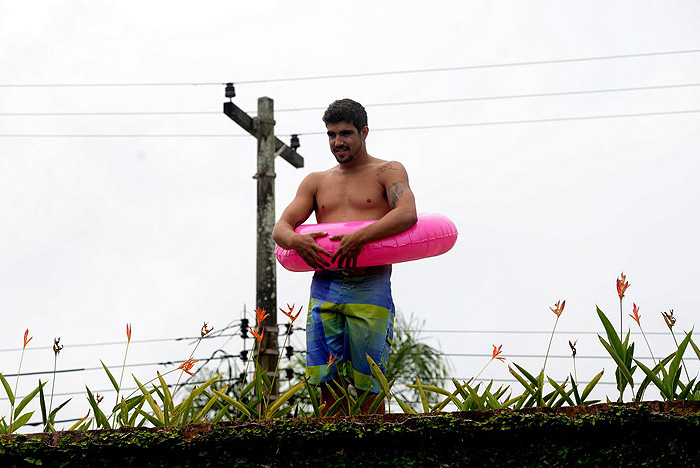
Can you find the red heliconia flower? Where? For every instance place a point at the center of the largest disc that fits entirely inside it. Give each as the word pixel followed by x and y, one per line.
pixel 261 315
pixel 332 358
pixel 558 308
pixel 622 285
pixel 290 313
pixel 26 341
pixel 187 366
pixel 496 353
pixel 258 336
pixel 635 314
pixel 128 332
pixel 205 330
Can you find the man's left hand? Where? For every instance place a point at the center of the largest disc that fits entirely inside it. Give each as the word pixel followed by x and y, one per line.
pixel 348 250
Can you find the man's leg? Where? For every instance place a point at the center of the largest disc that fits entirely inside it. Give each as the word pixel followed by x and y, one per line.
pixel 368 404
pixel 328 399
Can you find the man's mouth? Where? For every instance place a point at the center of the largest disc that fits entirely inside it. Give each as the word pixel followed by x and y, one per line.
pixel 341 149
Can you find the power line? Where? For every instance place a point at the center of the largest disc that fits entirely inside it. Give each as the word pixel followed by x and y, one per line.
pixel 358 75
pixel 505 96
pixel 472 67
pixel 109 85
pixel 124 135
pixel 381 104
pixel 117 113
pixel 390 129
pixel 516 122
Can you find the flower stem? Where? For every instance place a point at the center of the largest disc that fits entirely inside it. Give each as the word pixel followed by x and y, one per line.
pixel 544 366
pixel 12 406
pixel 191 354
pixel 647 341
pixel 53 385
pixel 277 366
pixel 682 361
pixel 620 319
pixel 482 370
pixel 122 373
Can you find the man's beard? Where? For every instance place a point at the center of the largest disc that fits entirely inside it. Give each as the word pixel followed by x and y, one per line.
pixel 345 157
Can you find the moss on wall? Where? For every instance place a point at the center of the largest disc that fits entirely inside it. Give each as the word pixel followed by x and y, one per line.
pixel 650 434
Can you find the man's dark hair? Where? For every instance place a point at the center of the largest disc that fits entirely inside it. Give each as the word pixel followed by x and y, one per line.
pixel 346 110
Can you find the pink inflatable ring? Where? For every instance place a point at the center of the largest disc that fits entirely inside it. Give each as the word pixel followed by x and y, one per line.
pixel 432 235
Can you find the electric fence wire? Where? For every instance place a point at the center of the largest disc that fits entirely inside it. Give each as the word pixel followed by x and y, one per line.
pixel 220 334
pixel 225 355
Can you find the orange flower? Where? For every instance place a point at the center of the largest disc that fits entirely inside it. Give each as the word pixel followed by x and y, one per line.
pixel 635 314
pixel 261 315
pixel 332 358
pixel 128 332
pixel 558 308
pixel 205 330
pixel 622 285
pixel 258 336
pixel 289 313
pixel 187 365
pixel 26 341
pixel 497 352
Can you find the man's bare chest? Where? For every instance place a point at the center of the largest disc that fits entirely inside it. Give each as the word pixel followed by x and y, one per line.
pixel 343 198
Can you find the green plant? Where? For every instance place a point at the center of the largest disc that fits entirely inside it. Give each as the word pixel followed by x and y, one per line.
pixel 670 385
pixel 18 419
pixel 622 353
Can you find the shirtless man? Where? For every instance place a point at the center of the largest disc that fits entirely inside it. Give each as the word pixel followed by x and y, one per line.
pixel 351 311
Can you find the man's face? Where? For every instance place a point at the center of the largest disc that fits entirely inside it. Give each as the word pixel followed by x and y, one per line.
pixel 345 141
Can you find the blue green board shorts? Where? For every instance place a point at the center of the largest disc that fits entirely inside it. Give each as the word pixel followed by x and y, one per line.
pixel 349 316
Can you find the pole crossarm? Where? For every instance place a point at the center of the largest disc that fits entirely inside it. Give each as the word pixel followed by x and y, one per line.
pixel 249 124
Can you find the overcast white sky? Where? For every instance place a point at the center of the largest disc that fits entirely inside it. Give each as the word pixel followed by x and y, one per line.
pixel 159 231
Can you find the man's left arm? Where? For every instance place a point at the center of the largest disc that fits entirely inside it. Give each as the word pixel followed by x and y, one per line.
pixel 394 178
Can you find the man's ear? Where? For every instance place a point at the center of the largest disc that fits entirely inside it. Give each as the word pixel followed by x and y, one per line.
pixel 364 132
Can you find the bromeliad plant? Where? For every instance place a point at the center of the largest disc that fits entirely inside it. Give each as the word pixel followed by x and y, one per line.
pixel 154 402
pixel 622 351
pixel 664 374
pixel 17 418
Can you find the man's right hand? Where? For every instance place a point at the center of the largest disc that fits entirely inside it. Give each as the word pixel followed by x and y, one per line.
pixel 307 248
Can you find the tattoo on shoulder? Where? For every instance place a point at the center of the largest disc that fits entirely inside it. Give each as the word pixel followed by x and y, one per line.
pixel 394 192
pixel 386 167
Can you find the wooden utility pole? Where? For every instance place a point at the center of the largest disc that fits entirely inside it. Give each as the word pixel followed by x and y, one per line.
pixel 262 127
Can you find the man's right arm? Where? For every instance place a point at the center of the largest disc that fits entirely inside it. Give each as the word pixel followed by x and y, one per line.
pixel 293 216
